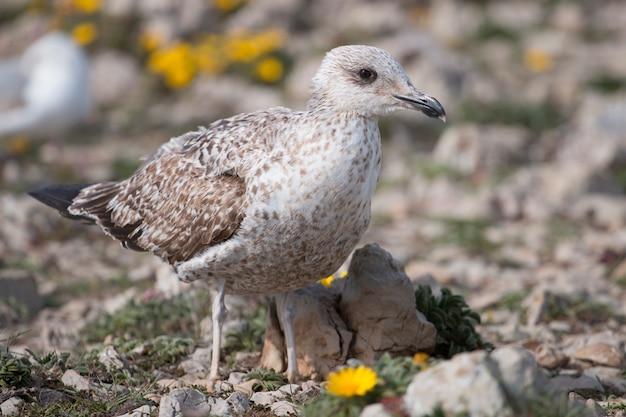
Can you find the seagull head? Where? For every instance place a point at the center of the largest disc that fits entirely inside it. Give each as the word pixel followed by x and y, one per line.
pixel 367 81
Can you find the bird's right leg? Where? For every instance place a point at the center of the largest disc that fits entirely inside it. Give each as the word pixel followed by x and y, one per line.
pixel 218 315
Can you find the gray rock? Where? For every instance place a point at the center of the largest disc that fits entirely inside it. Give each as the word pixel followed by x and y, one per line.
pixel 11 407
pixel 110 358
pixel 191 366
pixel 188 401
pixel 236 378
pixel 378 304
pixel 263 398
pixel 239 402
pixel 21 287
pixel 585 385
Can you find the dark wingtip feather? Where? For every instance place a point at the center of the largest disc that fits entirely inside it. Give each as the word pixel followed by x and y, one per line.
pixel 59 197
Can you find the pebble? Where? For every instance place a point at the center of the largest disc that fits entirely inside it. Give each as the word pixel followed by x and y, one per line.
pixel 601 354
pixel 284 409
pixel 73 379
pixel 11 407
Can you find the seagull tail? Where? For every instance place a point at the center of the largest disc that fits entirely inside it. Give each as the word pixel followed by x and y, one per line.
pixel 60 197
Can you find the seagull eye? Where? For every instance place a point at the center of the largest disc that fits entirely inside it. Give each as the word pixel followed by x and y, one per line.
pixel 367 74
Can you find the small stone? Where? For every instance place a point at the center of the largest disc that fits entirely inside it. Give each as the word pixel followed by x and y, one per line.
pixel 202 354
pixel 247 387
pixel 11 407
pixel 110 358
pixel 239 401
pixel 186 401
pixel 601 354
pixel 549 357
pixel 263 398
pixel 290 389
pixel 192 366
pixel 375 410
pixel 585 385
pixel 143 411
pixel 236 378
pixel 283 409
pixel 168 383
pixel 73 379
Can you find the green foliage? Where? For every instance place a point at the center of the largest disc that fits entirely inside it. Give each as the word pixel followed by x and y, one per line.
pixel 453 319
pixel 395 374
pixel 469 234
pixel 513 300
pixel 534 116
pixel 269 380
pixel 607 83
pixel 145 320
pixel 15 372
pixel 248 338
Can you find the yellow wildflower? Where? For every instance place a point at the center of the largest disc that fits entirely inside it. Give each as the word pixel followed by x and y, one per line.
pixel 84 33
pixel 175 63
pixel 327 282
pixel 240 47
pixel 150 41
pixel 269 70
pixel 87 6
pixel 17 145
pixel 227 5
pixel 349 382
pixel 420 358
pixel 269 40
pixel 537 60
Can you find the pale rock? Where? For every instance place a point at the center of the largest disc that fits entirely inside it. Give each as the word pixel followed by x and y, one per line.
pixel 263 398
pixel 236 378
pixel 110 358
pixel 284 409
pixel 239 402
pixel 202 354
pixel 290 389
pixel 247 387
pixel 114 78
pixel 599 210
pixel 322 338
pixel 191 366
pixel 143 411
pixel 508 372
pixel 601 354
pixel 378 304
pixel 375 410
pixel 11 407
pixel 549 357
pixel 310 389
pixel 516 15
pixel 452 386
pixel 472 150
pixel 73 379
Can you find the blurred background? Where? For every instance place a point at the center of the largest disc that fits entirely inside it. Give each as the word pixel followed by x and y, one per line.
pixel 522 189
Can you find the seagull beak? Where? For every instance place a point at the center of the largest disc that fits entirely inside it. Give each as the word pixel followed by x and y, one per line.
pixel 426 104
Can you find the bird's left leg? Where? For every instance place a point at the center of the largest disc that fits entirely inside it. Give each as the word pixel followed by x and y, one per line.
pixel 286 314
pixel 218 315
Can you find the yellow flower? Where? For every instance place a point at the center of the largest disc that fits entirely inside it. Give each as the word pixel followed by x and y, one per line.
pixel 227 5
pixel 84 33
pixel 87 6
pixel 150 41
pixel 269 70
pixel 537 60
pixel 420 358
pixel 17 145
pixel 349 382
pixel 175 63
pixel 327 282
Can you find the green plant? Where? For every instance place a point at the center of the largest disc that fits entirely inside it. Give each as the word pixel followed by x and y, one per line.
pixel 453 319
pixel 395 374
pixel 15 372
pixel 469 234
pixel 249 337
pixel 268 379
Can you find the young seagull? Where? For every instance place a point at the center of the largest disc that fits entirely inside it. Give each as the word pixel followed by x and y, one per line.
pixel 264 202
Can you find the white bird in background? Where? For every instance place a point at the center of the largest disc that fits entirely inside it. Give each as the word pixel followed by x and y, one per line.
pixel 48 87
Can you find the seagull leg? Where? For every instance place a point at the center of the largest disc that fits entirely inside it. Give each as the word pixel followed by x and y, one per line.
pixel 286 315
pixel 218 315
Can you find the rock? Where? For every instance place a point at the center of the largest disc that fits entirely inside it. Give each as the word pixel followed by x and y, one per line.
pixel 143 411
pixel 290 389
pixel 506 373
pixel 189 401
pixel 114 78
pixel 19 286
pixel 11 407
pixel 283 408
pixel 601 354
pixel 263 398
pixel 236 378
pixel 322 337
pixel 239 402
pixel 191 366
pixel 110 358
pixel 549 357
pixel 73 379
pixel 585 385
pixel 378 304
pixel 375 410
pixel 593 408
pixel 49 396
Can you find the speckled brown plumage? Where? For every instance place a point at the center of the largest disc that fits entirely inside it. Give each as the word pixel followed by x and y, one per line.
pixel 265 202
